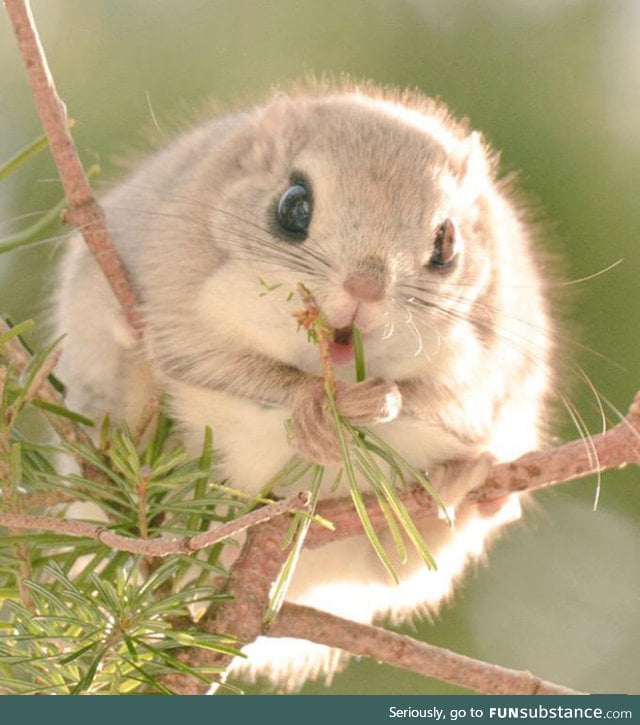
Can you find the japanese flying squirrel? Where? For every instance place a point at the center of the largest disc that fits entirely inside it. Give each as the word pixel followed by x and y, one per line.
pixel 392 214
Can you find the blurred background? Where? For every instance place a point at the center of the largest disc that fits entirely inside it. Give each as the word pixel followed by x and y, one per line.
pixel 554 85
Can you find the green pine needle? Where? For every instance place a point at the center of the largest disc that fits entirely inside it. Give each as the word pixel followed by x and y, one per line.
pixel 22 156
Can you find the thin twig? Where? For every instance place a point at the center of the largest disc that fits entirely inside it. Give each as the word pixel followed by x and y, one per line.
pixel 84 211
pixel 407 653
pixel 312 320
pixel 10 498
pixel 149 413
pixel 155 547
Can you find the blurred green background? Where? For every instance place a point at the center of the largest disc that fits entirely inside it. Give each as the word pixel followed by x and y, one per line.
pixel 555 85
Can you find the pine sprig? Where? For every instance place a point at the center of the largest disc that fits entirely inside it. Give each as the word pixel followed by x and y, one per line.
pixel 80 639
pixel 368 461
pixel 77 616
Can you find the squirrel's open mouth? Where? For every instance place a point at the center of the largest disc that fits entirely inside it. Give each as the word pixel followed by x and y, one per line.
pixel 343 335
pixel 341 347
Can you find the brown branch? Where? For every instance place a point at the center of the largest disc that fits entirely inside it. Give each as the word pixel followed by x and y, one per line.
pixel 312 320
pixel 250 582
pixel 262 557
pixel 616 448
pixel 84 211
pixel 407 653
pixel 156 547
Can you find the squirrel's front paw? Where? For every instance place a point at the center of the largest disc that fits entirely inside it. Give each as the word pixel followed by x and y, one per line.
pixel 315 433
pixel 375 400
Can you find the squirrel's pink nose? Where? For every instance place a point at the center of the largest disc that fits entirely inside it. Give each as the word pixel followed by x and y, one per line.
pixel 363 288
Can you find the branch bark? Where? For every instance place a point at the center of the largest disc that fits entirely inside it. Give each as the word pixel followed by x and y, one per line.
pixel 262 557
pixel 407 653
pixel 84 211
pixel 250 581
pixel 156 547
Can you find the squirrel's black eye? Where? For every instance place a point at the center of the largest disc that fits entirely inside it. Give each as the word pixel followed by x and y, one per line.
pixel 294 210
pixel 444 246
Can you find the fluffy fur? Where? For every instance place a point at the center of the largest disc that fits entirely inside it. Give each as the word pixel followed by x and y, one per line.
pixel 463 352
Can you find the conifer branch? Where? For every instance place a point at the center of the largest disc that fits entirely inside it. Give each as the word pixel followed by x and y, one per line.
pixel 617 448
pixel 155 547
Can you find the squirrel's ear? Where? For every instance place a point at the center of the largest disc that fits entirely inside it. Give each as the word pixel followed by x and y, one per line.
pixel 277 133
pixel 473 165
